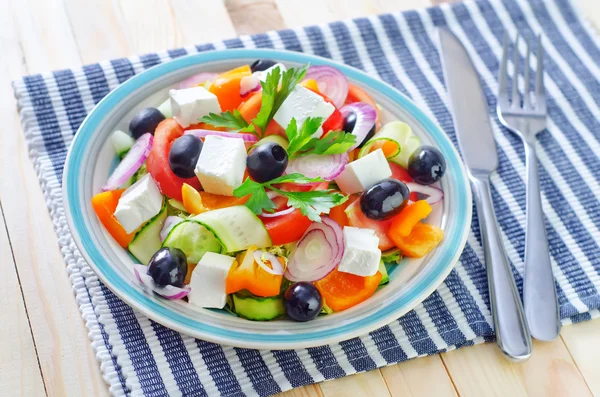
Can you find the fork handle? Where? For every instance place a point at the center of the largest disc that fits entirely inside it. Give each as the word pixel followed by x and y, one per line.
pixel 512 334
pixel 539 291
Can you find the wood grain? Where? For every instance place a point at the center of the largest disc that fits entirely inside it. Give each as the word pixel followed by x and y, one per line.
pixel 202 21
pixel 363 384
pixel 582 343
pixel 254 16
pixel 19 370
pixel 425 376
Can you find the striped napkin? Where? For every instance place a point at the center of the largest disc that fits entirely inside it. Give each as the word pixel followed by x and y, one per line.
pixel 140 357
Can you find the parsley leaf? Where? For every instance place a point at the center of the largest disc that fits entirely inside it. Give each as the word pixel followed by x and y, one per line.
pixel 229 120
pixel 302 142
pixel 269 91
pixel 311 203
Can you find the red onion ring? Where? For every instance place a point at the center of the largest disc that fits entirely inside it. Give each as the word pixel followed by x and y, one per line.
pixel 276 214
pixel 303 265
pixel 197 79
pixel 248 85
pixel 276 269
pixel 204 133
pixel 328 166
pixel 169 224
pixel 434 195
pixel 167 291
pixel 331 82
pixel 132 162
pixel 366 117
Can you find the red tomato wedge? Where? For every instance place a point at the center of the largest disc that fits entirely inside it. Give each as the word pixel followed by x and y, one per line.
pixel 158 161
pixel 401 174
pixel 357 218
pixel 285 228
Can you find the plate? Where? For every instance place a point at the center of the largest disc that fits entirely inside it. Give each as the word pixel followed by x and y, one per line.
pixel 91 156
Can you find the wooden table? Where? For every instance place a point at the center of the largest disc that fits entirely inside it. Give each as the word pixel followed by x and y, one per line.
pixel 44 348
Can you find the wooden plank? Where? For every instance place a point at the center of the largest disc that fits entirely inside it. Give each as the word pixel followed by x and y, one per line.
pixel 363 384
pixel 19 370
pixel 582 341
pixel 481 371
pixel 66 358
pixel 98 30
pixel 304 391
pixel 251 17
pixel 414 378
pixel 202 22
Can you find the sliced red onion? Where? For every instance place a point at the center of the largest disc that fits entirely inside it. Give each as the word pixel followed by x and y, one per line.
pixel 328 166
pixel 169 224
pixel 204 133
pixel 197 79
pixel 167 291
pixel 132 162
pixel 366 117
pixel 434 195
pixel 249 84
pixel 259 257
pixel 277 213
pixel 331 82
pixel 317 253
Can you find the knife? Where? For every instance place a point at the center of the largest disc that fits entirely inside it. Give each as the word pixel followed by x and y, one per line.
pixel 478 148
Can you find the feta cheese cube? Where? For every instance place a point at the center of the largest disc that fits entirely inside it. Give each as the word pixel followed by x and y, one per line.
pixel 361 255
pixel 262 74
pixel 208 281
pixel 301 104
pixel 138 204
pixel 221 165
pixel 363 173
pixel 190 104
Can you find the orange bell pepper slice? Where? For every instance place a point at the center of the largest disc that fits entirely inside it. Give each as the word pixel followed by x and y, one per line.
pixel 410 215
pixel 422 239
pixel 226 87
pixel 338 213
pixel 105 204
pixel 344 290
pixel 246 274
pixel 212 201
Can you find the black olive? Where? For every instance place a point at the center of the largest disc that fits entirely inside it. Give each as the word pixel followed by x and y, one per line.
pixel 384 199
pixel 168 266
pixel 350 122
pixel 426 165
pixel 184 154
pixel 267 161
pixel 302 301
pixel 144 121
pixel 261 64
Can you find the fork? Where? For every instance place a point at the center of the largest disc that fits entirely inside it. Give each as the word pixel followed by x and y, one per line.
pixel 527 120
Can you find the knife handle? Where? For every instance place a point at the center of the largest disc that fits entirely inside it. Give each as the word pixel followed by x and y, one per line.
pixel 512 334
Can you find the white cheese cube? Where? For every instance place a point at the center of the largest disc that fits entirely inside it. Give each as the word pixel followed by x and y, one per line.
pixel 361 255
pixel 363 173
pixel 301 104
pixel 190 104
pixel 221 165
pixel 208 281
pixel 262 75
pixel 138 204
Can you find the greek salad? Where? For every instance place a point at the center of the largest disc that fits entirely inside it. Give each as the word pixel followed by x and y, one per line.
pixel 270 191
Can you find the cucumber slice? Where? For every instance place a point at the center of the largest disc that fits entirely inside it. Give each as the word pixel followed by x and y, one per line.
pixel 281 141
pixel 147 241
pixel 385 278
pixel 409 147
pixel 256 308
pixel 122 142
pixel 392 256
pixel 237 228
pixel 378 143
pixel 193 239
pixel 402 134
pixel 165 108
pixel 177 205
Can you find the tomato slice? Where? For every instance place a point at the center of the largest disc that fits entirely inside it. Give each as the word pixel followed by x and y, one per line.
pixel 401 174
pixel 357 218
pixel 344 290
pixel 158 161
pixel 287 228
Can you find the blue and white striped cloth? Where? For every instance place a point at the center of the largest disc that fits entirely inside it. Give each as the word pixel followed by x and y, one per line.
pixel 140 357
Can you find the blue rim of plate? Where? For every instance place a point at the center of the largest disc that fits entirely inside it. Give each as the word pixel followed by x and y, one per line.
pixel 136 298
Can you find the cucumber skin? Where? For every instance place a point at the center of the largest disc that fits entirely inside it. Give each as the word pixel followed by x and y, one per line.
pixel 385 278
pixel 257 308
pixel 169 243
pixel 160 217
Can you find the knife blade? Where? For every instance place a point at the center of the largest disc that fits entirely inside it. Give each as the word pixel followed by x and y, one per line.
pixel 478 147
